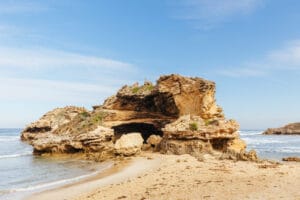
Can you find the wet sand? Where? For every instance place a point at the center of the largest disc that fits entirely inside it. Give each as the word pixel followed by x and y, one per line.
pixel 121 171
pixel 157 176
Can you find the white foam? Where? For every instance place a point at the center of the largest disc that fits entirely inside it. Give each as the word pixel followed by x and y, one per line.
pixel 245 133
pixel 258 141
pixel 282 151
pixel 7 138
pixel 16 155
pixel 60 182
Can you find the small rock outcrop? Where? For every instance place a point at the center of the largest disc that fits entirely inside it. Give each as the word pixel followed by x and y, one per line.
pixel 69 130
pixel 195 135
pixel 178 115
pixel 290 129
pixel 154 140
pixel 129 144
pixel 291 159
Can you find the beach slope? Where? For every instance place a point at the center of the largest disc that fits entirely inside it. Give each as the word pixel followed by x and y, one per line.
pixel 159 176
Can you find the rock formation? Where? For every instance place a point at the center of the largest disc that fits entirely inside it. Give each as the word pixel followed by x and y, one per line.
pixel 193 135
pixel 179 113
pixel 290 129
pixel 129 144
pixel 51 121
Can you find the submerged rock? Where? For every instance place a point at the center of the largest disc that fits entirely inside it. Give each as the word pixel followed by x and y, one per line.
pixel 178 115
pixel 290 129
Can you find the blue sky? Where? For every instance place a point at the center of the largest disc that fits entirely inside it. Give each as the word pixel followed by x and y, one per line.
pixel 70 52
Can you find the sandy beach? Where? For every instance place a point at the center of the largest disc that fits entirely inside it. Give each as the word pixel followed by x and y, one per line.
pixel 121 171
pixel 156 176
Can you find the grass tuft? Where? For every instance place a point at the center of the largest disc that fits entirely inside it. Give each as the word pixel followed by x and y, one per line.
pixel 193 126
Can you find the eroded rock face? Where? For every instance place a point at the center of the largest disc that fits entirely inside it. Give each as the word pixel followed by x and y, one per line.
pixel 177 115
pixel 51 121
pixel 193 135
pixel 129 144
pixel 194 127
pixel 96 140
pixel 173 96
pixel 290 129
pixel 194 96
pixel 193 147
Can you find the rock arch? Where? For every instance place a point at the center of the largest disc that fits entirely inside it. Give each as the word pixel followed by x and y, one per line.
pixel 146 129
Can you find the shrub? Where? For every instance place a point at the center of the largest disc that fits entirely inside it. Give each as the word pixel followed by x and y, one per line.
pixel 207 122
pixel 149 87
pixel 98 118
pixel 135 90
pixel 84 114
pixel 193 126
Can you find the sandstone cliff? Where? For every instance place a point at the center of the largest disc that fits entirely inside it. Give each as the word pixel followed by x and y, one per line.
pixel 290 129
pixel 177 115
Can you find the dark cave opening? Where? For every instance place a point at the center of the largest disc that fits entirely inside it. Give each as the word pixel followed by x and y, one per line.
pixel 219 143
pixel 38 129
pixel 144 128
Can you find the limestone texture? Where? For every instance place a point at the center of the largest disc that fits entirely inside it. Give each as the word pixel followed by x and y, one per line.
pixel 129 144
pixel 177 115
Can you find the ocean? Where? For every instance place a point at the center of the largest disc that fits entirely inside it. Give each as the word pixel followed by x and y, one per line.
pixel 22 173
pixel 273 147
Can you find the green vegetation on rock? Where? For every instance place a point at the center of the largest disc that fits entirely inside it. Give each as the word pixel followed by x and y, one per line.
pixel 193 126
pixel 84 115
pixel 135 90
pixel 208 122
pixel 83 122
pixel 147 87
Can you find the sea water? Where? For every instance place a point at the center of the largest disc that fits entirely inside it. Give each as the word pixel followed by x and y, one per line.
pixel 273 147
pixel 22 173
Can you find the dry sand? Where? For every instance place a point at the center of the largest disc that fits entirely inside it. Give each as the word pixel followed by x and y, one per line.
pixel 184 177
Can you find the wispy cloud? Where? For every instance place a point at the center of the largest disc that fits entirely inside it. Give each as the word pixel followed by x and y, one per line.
pixel 21 6
pixel 32 71
pixel 284 59
pixel 60 77
pixel 39 58
pixel 206 14
pixel 287 57
pixel 61 92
